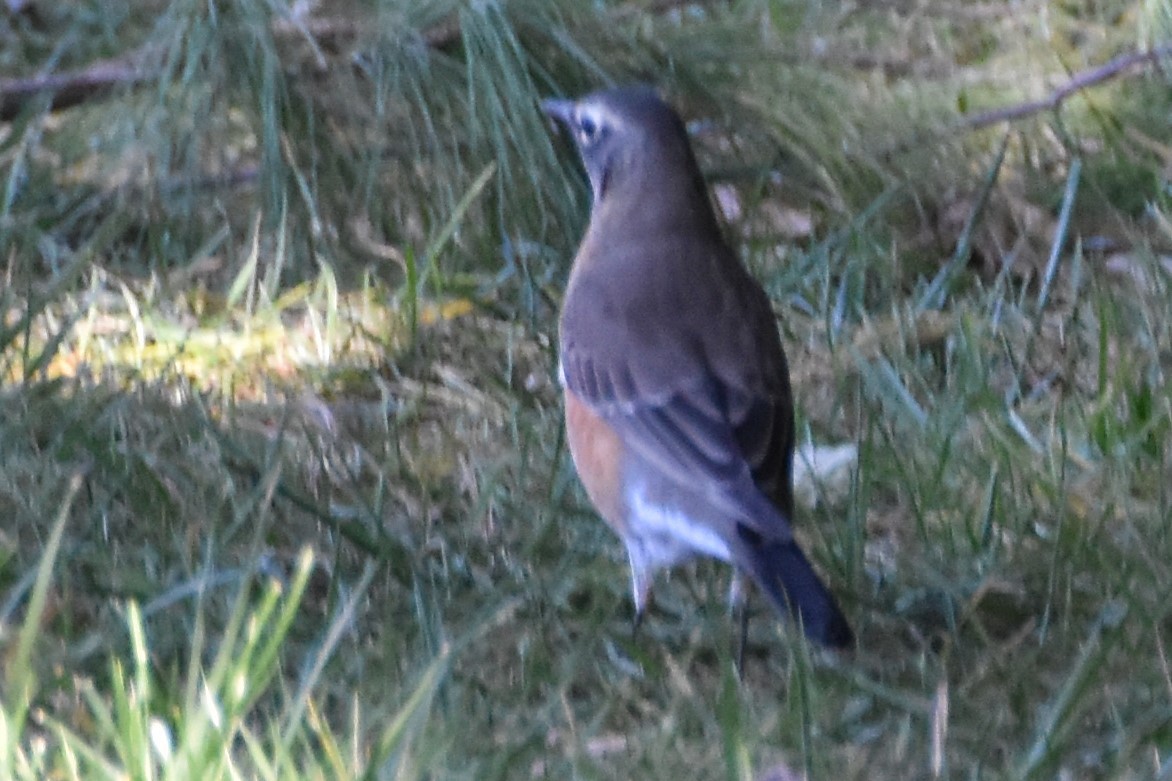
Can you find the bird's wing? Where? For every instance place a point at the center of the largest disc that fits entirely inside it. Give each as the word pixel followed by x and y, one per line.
pixel 692 377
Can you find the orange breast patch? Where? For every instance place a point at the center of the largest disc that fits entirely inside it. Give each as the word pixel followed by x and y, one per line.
pixel 598 456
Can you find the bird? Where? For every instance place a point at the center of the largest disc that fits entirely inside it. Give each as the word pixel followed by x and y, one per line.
pixel 678 408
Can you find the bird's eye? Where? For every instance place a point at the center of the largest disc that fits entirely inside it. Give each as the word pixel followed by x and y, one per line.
pixel 587 129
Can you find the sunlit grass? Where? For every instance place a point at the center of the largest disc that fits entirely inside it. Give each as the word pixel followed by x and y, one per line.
pixel 312 334
pixel 283 483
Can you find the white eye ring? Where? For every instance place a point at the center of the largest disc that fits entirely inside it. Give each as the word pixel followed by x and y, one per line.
pixel 587 129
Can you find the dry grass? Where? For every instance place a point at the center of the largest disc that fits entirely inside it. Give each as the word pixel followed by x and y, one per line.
pixel 299 293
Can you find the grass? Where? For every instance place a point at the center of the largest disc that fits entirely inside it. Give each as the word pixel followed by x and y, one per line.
pixel 281 462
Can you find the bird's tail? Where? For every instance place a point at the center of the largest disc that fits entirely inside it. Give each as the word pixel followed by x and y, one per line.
pixel 784 573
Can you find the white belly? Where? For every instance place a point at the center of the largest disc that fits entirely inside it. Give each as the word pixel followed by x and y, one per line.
pixel 666 536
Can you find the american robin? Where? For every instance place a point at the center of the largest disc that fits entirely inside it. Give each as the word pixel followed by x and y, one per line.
pixel 679 416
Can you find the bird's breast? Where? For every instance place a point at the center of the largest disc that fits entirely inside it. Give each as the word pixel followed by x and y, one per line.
pixel 599 457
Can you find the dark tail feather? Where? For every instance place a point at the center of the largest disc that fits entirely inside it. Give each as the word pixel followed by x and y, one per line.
pixel 785 575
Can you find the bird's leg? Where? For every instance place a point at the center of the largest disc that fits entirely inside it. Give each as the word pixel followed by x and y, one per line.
pixel 738 605
pixel 640 588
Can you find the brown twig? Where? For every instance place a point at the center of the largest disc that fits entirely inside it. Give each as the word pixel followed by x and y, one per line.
pixel 1080 81
pixel 70 88
pixel 97 80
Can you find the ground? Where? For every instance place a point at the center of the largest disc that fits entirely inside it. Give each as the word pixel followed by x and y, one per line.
pixel 281 460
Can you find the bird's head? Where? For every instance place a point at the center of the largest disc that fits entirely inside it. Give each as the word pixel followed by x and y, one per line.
pixel 624 134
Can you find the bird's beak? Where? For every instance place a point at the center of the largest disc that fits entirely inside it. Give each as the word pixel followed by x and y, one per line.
pixel 558 109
